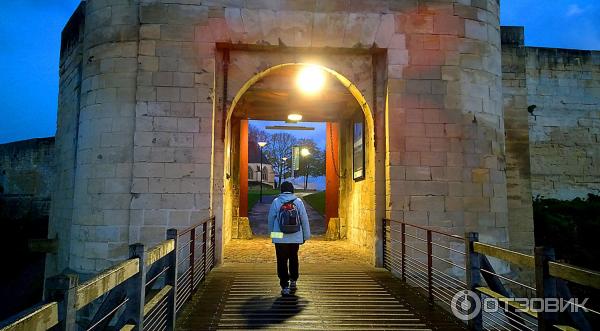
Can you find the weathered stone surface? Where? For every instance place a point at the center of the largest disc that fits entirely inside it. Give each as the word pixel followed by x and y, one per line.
pixel 149 142
pixel 242 228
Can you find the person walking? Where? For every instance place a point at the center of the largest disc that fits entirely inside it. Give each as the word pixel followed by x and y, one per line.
pixel 289 228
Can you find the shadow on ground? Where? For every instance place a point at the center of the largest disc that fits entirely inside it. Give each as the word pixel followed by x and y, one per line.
pixel 262 312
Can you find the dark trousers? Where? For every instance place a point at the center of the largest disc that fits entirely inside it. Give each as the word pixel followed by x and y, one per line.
pixel 285 253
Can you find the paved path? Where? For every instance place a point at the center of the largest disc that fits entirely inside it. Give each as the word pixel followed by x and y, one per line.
pixel 317 250
pixel 330 297
pixel 258 218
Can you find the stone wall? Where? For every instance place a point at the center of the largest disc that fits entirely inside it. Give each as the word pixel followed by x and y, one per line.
pixel 552 119
pixel 69 101
pixel 26 180
pixel 144 101
pixel 518 174
pixel 446 127
pixel 564 128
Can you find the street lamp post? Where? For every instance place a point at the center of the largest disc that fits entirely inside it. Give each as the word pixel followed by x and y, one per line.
pixel 305 153
pixel 283 167
pixel 261 144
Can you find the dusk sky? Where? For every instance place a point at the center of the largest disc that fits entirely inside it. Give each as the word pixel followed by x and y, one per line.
pixel 30 44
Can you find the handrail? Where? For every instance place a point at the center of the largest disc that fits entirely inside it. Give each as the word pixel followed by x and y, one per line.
pixel 105 281
pixel 129 278
pixel 425 228
pixel 191 227
pixel 549 276
pixel 489 292
pixel 156 299
pixel 520 259
pixel 159 251
pixel 574 274
pixel 42 318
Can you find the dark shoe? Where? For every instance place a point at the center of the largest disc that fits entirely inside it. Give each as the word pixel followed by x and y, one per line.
pixel 286 291
pixel 293 286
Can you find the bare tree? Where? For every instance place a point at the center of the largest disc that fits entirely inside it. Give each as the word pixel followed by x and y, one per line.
pixel 279 145
pixel 255 134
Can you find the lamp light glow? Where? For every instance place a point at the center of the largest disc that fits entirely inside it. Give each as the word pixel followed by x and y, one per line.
pixel 311 79
pixel 294 117
pixel 262 143
pixel 304 152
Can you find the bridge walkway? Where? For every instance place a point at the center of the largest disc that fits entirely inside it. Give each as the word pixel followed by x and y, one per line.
pixel 335 294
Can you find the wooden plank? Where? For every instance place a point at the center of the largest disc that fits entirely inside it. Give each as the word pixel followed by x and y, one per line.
pixel 105 281
pixel 157 252
pixel 128 327
pixel 574 274
pixel 520 259
pixel 156 299
pixel 565 328
pixel 487 291
pixel 42 318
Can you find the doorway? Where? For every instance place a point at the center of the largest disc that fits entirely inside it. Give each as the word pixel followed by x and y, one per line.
pixel 272 94
pixel 285 151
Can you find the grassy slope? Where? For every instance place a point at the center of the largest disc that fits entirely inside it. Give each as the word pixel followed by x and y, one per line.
pixel 317 201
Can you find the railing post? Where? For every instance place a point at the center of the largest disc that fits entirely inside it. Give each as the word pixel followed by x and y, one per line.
pixel 545 285
pixel 403 247
pixel 192 258
pixel 204 243
pixel 383 241
pixel 473 277
pixel 135 288
pixel 213 241
pixel 62 289
pixel 429 266
pixel 171 279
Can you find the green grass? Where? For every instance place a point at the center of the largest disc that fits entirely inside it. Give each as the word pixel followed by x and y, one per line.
pixel 317 201
pixel 254 194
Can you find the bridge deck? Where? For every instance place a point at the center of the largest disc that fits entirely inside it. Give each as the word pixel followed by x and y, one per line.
pixel 335 296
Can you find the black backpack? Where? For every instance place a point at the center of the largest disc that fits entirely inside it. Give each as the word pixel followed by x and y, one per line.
pixel 288 218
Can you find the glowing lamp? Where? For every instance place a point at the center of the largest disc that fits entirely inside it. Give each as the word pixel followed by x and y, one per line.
pixel 295 117
pixel 311 79
pixel 305 152
pixel 262 143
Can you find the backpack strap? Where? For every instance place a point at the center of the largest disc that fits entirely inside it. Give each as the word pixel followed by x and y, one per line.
pixel 292 201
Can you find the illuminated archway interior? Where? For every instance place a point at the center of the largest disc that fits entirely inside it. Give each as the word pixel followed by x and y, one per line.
pixel 272 95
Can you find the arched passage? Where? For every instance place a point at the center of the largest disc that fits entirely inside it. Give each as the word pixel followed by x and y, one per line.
pixel 356 195
pixel 360 98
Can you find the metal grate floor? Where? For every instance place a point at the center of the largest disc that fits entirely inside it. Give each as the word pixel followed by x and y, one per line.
pixel 338 297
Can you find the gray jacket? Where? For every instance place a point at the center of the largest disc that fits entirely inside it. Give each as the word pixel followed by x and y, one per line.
pixel 289 238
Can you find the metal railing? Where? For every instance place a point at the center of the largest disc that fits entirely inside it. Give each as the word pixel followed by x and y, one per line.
pixel 443 264
pixel 143 292
pixel 432 260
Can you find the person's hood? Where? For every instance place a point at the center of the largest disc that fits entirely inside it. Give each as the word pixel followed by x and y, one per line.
pixel 285 197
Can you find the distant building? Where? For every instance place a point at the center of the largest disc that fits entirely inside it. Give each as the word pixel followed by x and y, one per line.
pixel 268 175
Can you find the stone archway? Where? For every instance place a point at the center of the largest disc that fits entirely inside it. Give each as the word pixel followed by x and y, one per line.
pixel 357 198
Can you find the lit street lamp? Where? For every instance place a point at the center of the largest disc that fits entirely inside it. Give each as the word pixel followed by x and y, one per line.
pixel 305 153
pixel 282 172
pixel 261 144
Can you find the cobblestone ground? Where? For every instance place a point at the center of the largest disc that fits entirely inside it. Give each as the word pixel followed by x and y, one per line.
pixel 317 250
pixel 258 217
